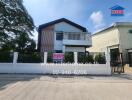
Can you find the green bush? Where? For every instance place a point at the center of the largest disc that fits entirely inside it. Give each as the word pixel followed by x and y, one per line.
pixel 100 59
pixel 81 57
pixel 29 57
pixel 69 57
pixel 85 58
pixel 6 57
pixel 50 56
pixel 89 59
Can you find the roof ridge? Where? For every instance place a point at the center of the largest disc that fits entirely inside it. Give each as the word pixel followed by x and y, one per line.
pixel 62 20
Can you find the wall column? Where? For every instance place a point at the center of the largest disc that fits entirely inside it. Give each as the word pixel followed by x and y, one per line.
pixel 75 57
pixel 15 57
pixel 107 55
pixel 64 47
pixel 45 57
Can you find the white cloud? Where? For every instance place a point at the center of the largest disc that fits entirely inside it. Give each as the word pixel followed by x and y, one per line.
pixel 97 19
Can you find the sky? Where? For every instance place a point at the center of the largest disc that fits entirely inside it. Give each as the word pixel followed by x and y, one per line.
pixel 92 14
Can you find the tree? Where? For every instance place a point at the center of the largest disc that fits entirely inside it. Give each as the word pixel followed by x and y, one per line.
pixel 15 24
pixel 24 43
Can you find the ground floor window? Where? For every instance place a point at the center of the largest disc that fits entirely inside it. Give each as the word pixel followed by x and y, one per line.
pixel 58 51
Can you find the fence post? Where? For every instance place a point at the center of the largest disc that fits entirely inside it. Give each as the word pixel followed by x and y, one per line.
pixel 45 57
pixel 75 58
pixel 15 57
pixel 107 55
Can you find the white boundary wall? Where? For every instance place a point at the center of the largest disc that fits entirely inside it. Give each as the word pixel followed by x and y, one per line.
pixel 79 69
pixel 45 68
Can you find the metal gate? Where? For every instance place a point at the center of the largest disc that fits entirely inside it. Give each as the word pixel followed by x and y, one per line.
pixel 117 65
pixel 130 58
pixel 118 69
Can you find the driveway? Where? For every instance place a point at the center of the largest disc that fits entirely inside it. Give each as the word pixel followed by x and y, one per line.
pixel 39 87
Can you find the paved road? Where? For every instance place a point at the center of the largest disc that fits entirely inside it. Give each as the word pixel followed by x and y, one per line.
pixel 38 87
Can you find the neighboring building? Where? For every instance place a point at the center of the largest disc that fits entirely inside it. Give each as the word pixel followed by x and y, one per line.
pixel 63 35
pixel 117 39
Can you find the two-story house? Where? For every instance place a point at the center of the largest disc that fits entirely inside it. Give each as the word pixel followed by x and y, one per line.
pixel 117 38
pixel 63 35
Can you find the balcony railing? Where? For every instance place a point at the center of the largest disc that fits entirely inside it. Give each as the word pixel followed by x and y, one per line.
pixel 77 38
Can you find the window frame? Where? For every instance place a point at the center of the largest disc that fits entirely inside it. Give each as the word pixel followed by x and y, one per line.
pixel 59 38
pixel 74 36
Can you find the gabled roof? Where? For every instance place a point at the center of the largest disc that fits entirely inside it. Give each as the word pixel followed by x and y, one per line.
pixel 61 20
pixel 117 7
pixel 113 25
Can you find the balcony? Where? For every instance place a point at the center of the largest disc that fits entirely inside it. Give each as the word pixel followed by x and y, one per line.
pixel 77 39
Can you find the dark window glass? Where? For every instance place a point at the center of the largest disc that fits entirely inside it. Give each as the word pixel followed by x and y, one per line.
pixel 58 51
pixel 59 36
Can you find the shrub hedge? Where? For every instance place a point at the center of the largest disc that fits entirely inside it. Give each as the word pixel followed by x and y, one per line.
pixel 33 57
pixel 6 57
pixel 100 59
pixel 69 57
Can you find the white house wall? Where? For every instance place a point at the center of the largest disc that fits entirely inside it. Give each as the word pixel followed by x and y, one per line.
pixel 125 40
pixel 65 27
pixel 102 40
pixel 125 37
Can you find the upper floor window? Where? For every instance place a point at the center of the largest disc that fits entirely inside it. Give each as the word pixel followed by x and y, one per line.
pixel 59 36
pixel 74 36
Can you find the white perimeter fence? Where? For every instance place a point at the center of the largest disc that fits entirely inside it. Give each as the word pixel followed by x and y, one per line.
pixel 45 68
